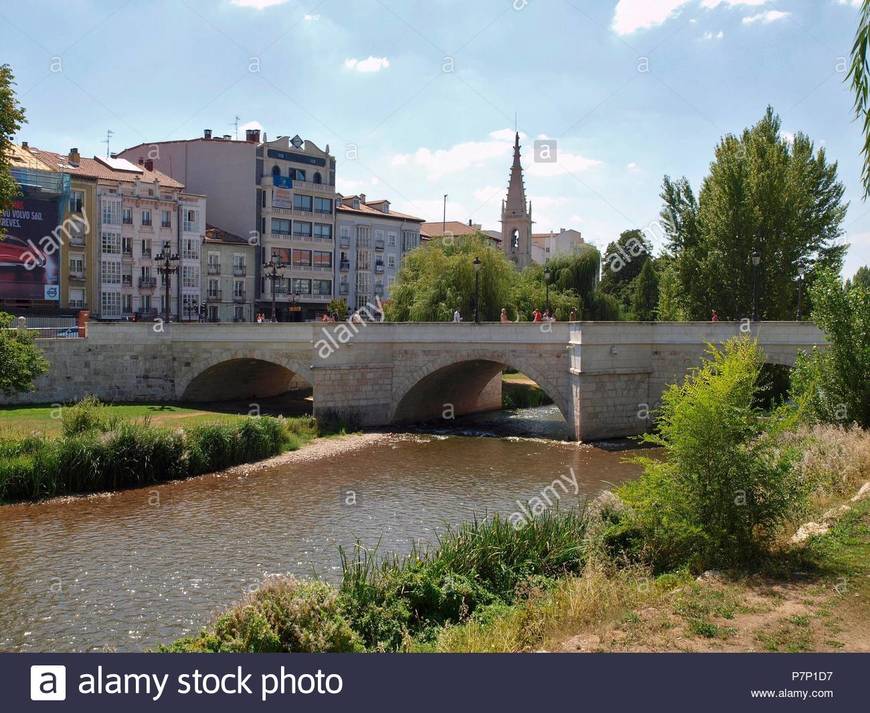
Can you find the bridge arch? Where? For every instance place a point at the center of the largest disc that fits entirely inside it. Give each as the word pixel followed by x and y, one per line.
pixel 227 377
pixel 467 382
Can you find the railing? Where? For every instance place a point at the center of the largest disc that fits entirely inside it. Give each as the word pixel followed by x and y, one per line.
pixel 190 255
pixel 50 332
pixel 147 313
pixel 214 295
pixel 379 267
pixel 126 280
pixel 344 266
pixel 238 297
pixel 76 275
pixel 146 253
pixel 78 240
pixel 343 289
pixel 379 244
pixel 147 283
pixel 240 270
pixel 344 242
pixel 214 269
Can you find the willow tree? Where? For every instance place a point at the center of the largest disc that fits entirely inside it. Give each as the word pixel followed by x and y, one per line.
pixel 778 199
pixel 859 77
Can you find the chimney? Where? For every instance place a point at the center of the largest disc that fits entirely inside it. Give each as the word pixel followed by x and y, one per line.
pixel 362 197
pixel 149 165
pixel 73 157
pixel 206 133
pixel 227 136
pixel 561 230
pixel 469 222
pixel 252 136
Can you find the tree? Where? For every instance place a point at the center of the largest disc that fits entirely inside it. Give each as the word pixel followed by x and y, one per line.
pixel 623 261
pixel 763 194
pixel 11 118
pixel 645 293
pixel 338 307
pixel 858 76
pixel 670 306
pixel 832 385
pixel 861 277
pixel 20 359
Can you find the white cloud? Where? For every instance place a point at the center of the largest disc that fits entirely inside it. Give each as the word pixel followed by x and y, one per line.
pixel 632 167
pixel 311 18
pixel 258 4
pixel 250 125
pixel 565 163
pixel 632 15
pixel 853 3
pixel 370 64
pixel 732 3
pixel 457 158
pixel 713 35
pixel 788 136
pixel 765 18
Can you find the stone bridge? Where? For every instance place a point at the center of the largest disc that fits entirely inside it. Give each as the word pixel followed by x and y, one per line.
pixel 599 374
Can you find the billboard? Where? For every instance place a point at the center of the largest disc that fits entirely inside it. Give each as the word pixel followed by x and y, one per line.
pixel 30 251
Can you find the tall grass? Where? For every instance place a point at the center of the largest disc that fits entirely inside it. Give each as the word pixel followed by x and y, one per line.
pixel 99 452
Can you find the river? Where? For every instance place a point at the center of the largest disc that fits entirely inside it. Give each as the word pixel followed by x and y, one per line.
pixel 131 570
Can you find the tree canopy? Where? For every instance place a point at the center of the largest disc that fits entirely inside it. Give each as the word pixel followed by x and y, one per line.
pixel 11 118
pixel 21 361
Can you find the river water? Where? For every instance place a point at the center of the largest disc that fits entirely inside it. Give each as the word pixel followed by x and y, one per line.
pixel 131 570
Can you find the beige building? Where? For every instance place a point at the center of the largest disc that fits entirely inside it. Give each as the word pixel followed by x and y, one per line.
pixel 229 281
pixel 553 244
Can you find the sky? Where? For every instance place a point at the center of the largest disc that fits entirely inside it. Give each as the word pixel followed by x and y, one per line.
pixel 417 99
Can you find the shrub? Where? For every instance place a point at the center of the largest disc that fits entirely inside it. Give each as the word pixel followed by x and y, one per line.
pixel 284 615
pixel 89 414
pixel 723 487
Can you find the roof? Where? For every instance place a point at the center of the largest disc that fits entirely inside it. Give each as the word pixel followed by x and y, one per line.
pixel 101 170
pixel 555 233
pixel 346 206
pixel 434 229
pixel 214 234
pixel 22 158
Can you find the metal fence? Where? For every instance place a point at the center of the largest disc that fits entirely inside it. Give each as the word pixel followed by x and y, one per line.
pixel 50 332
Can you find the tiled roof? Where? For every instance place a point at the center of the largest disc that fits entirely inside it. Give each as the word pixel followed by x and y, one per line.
pixel 434 229
pixel 346 206
pixel 22 158
pixel 213 234
pixel 92 168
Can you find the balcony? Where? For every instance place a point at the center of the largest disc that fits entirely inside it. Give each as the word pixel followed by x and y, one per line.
pixel 126 280
pixel 344 242
pixel 344 266
pixel 240 270
pixel 379 290
pixel 147 283
pixel 343 289
pixel 127 252
pixel 379 245
pixel 379 267
pixel 146 253
pixel 214 296
pixel 214 269
pixel 76 275
pixel 190 255
pixel 239 297
pixel 77 240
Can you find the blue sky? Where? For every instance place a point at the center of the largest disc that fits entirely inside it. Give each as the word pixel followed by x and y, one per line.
pixel 417 99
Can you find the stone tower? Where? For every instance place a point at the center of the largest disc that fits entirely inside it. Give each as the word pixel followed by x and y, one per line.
pixel 516 216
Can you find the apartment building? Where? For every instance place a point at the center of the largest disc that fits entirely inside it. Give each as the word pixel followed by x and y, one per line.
pixel 372 239
pixel 279 193
pixel 229 280
pixel 553 244
pixel 136 214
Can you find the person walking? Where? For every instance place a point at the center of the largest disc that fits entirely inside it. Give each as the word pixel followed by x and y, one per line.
pixel 503 317
pixel 573 316
pixel 457 317
pixel 714 317
pixel 536 315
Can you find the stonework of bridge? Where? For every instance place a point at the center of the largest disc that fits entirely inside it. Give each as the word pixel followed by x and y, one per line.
pixel 601 375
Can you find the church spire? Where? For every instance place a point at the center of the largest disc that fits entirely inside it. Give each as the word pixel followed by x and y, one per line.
pixel 516 218
pixel 515 205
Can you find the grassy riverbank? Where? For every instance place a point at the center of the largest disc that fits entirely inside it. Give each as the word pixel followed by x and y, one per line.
pixel 92 447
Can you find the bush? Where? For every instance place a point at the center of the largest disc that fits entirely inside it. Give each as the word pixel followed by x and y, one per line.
pixel 284 615
pixel 89 414
pixel 723 487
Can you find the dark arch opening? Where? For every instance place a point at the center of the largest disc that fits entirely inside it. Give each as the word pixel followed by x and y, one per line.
pixel 317 177
pixel 774 384
pixel 276 388
pixel 470 388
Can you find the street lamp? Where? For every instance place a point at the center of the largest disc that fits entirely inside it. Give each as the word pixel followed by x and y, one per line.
pixel 274 265
pixel 800 292
pixel 476 265
pixel 756 261
pixel 169 266
pixel 547 284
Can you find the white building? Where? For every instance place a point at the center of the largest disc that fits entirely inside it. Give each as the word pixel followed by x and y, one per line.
pixel 552 244
pixel 372 239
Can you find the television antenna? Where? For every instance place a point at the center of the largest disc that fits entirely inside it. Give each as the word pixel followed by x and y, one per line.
pixel 107 141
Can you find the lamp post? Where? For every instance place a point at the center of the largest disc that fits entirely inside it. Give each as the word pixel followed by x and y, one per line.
pixel 547 286
pixel 166 269
pixel 476 265
pixel 756 261
pixel 800 292
pixel 273 276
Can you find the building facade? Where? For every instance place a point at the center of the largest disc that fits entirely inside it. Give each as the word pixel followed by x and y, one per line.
pixel 516 216
pixel 229 280
pixel 372 239
pixel 137 214
pixel 553 244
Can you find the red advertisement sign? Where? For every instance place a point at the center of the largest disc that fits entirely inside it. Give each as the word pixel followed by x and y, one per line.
pixel 30 250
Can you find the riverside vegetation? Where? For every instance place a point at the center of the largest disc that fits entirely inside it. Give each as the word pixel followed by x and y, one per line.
pixel 98 450
pixel 733 484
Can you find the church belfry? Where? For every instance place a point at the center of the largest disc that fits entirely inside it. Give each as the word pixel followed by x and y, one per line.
pixel 516 216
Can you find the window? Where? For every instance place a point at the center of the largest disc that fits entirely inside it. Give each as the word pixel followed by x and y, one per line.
pixel 128 216
pixel 280 226
pixel 76 297
pixel 363 237
pixel 145 303
pixel 344 231
pixel 190 249
pixel 238 313
pixel 111 243
pixel 323 231
pixel 166 219
pixel 189 276
pixel 238 288
pixel 191 220
pixel 302 228
pixel 276 170
pixel 410 240
pixel 301 258
pixel 112 212
pixel 322 259
pixel 146 248
pixel 391 262
pixel 146 217
pixel 76 201
pixel 302 203
pixel 213 288
pixel 238 262
pixel 323 205
pixel 301 287
pixel 317 177
pixel 127 246
pixel 213 313
pixel 127 302
pixel 379 236
pixel 296 173
pixel 364 260
pixel 111 272
pixel 110 304
pixel 322 288
pixel 76 264
pixel 391 240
